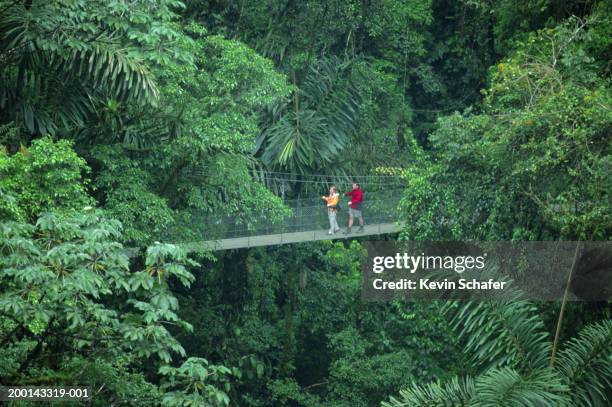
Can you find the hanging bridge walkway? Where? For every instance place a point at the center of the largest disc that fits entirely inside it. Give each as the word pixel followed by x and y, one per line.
pixel 291 237
pixel 303 220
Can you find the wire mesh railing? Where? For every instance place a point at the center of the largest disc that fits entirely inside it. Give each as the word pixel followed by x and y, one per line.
pixel 282 183
pixel 303 215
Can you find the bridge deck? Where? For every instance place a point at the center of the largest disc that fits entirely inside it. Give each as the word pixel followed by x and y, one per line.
pixel 294 237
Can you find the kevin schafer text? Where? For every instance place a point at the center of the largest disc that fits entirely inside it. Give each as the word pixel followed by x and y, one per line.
pixel 428 284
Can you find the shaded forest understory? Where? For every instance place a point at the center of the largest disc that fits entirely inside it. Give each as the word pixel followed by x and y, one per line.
pixel 125 123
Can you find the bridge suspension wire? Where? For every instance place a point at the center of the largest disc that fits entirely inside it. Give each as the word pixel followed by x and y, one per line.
pixel 296 177
pixel 327 175
pixel 329 182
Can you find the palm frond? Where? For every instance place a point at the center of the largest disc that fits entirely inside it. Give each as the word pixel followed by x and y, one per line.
pixel 455 392
pixel 317 126
pixel 52 72
pixel 585 364
pixel 505 387
pixel 501 333
pixel 108 66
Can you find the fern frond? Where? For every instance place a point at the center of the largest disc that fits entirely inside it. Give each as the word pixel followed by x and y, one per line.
pixel 585 364
pixel 455 392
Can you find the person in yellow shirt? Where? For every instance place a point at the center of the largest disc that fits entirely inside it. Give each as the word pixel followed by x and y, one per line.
pixel 332 209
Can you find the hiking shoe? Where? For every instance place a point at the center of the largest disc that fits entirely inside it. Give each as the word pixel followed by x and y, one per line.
pixel 360 229
pixel 347 231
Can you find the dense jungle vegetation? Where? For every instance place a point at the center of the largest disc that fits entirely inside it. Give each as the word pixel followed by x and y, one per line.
pixel 123 122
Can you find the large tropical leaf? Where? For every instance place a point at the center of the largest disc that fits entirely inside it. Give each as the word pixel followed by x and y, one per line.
pixel 314 127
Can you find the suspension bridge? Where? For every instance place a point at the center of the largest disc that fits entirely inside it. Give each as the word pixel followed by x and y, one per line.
pixel 304 220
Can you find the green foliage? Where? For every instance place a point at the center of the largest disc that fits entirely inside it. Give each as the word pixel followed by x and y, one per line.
pixel 77 254
pixel 499 387
pixel 70 305
pixel 189 158
pixel 9 134
pixel 510 357
pixel 47 176
pixel 129 196
pixel 191 382
pixel 533 165
pixel 115 380
pixel 287 392
pixel 62 58
pixel 453 392
pixel 310 131
pixel 294 346
pixel 352 64
pixel 506 387
pixel 502 334
pixel 586 364
pixel 366 369
pixel 175 107
pixel 438 212
pixel 217 97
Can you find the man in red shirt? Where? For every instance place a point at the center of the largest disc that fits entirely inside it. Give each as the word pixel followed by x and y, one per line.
pixel 355 207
